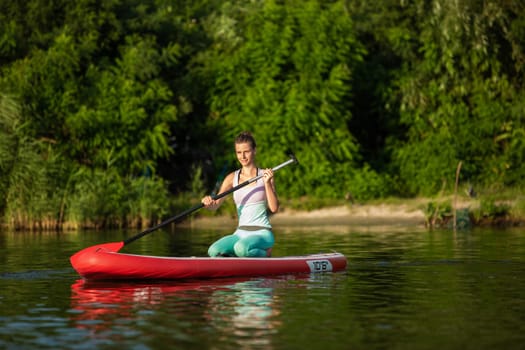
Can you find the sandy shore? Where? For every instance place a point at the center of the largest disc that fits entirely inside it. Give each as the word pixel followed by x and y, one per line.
pixel 355 216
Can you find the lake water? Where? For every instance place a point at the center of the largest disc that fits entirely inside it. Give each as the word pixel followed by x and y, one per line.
pixel 405 288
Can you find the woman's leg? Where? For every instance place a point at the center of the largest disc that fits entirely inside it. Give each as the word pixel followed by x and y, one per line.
pixel 254 245
pixel 223 246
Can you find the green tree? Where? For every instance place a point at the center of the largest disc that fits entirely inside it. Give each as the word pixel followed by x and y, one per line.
pixel 126 116
pixel 462 95
pixel 89 78
pixel 284 71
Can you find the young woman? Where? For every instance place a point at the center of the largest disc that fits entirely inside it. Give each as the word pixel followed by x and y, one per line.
pixel 253 236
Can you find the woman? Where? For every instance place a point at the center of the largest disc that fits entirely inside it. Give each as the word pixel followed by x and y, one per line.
pixel 253 236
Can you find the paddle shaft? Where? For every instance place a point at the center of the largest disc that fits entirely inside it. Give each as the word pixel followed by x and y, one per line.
pixel 200 205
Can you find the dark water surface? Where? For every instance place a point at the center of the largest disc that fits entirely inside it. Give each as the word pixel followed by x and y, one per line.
pixel 404 289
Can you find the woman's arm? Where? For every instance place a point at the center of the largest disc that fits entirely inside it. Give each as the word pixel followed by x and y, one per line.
pixel 271 194
pixel 210 203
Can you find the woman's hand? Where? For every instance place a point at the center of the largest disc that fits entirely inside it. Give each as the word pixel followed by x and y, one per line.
pixel 267 175
pixel 214 204
pixel 208 202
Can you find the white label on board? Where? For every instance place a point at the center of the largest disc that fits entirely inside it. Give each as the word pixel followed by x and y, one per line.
pixel 319 265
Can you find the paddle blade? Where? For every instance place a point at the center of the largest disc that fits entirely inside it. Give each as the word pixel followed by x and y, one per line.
pixel 82 259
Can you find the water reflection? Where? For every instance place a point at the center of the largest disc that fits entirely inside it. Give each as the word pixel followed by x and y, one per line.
pixel 244 308
pixel 246 311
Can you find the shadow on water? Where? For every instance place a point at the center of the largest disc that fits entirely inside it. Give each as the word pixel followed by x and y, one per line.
pixel 34 275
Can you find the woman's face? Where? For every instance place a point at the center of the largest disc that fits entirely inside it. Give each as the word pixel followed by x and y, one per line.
pixel 245 153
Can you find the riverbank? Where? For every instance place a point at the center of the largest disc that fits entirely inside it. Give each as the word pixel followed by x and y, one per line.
pixel 342 215
pixel 412 213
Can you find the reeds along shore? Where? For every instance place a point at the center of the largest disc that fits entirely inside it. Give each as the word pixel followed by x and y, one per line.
pixel 24 224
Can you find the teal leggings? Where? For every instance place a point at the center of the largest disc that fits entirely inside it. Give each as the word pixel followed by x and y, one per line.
pixel 243 243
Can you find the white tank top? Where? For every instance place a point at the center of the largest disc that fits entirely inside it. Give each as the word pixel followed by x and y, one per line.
pixel 251 203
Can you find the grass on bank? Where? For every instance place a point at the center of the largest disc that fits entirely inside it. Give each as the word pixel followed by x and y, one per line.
pixel 502 207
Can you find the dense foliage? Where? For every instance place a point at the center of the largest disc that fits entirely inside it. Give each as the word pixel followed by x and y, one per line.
pixel 108 107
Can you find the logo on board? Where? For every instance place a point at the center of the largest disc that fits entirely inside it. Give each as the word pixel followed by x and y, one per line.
pixel 319 265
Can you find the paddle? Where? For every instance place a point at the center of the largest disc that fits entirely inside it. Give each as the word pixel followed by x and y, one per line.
pixel 116 246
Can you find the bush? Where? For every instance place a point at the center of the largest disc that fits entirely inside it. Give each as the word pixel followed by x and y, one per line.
pixel 489 208
pixel 104 199
pixel 366 184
